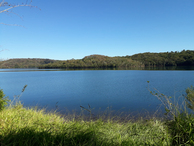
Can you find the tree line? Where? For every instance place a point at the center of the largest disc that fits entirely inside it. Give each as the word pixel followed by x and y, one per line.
pixel 24 63
pixel 183 58
pixel 95 61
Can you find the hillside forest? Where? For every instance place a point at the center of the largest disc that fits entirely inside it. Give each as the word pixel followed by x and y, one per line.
pixel 183 58
pixel 24 63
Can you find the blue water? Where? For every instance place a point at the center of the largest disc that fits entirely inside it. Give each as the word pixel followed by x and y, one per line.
pixel 122 90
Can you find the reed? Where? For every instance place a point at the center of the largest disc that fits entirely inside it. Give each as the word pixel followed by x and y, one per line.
pixel 180 120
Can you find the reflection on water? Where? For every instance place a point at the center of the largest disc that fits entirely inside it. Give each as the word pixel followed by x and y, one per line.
pixel 26 70
pixel 171 68
pixel 133 68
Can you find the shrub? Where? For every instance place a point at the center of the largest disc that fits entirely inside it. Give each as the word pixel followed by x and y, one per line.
pixel 181 125
pixel 190 97
pixel 3 100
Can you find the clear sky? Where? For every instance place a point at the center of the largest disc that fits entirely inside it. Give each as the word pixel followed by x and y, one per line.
pixel 66 29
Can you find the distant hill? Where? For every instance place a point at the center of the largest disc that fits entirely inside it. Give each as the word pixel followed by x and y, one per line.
pixel 24 63
pixel 95 61
pixel 183 58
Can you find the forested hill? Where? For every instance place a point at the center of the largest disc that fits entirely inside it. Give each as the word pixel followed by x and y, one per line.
pixel 95 61
pixel 24 63
pixel 182 58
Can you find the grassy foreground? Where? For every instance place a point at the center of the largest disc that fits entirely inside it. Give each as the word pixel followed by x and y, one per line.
pixel 34 127
pixel 22 126
pixel 25 126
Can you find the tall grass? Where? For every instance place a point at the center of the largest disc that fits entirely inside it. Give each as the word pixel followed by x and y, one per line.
pixel 34 127
pixel 180 120
pixel 30 126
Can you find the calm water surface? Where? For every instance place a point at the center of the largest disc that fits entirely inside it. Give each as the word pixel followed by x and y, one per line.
pixel 122 90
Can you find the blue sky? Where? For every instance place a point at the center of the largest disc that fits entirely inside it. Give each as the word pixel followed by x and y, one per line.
pixel 66 29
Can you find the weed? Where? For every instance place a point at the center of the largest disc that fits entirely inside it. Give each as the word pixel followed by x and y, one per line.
pixel 180 121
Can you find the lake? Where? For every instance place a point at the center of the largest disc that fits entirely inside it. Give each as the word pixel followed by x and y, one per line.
pixel 121 90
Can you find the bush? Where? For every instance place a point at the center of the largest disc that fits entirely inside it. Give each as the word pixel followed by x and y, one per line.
pixel 190 97
pixel 3 100
pixel 180 120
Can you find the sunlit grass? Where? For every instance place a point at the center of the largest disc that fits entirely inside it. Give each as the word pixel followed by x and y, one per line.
pixel 25 126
